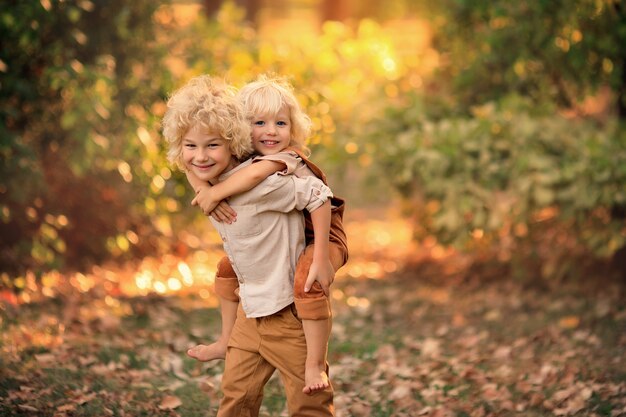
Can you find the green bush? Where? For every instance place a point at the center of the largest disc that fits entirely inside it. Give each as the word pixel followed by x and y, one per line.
pixel 78 132
pixel 506 174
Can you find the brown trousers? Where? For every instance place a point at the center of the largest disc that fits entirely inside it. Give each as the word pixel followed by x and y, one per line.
pixel 312 305
pixel 259 346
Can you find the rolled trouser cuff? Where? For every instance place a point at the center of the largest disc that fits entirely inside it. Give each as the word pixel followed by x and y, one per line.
pixel 313 308
pixel 227 288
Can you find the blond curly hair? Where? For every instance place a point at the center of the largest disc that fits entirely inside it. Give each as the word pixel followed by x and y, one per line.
pixel 209 103
pixel 267 95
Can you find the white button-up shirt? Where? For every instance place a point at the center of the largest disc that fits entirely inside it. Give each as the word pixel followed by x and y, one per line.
pixel 265 242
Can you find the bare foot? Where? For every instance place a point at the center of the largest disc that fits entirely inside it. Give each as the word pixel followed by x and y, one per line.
pixel 315 379
pixel 205 353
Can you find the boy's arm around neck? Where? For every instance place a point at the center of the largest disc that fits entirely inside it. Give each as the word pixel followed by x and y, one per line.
pixel 209 196
pixel 196 183
pixel 219 210
pixel 245 179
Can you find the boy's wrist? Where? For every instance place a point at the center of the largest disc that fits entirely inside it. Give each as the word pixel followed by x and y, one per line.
pixel 320 255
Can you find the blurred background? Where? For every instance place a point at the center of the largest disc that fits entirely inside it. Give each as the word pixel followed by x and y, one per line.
pixel 489 130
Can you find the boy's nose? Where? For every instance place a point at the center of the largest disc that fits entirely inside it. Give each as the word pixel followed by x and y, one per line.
pixel 203 155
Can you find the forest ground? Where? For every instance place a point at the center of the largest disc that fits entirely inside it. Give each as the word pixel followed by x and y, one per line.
pixel 413 336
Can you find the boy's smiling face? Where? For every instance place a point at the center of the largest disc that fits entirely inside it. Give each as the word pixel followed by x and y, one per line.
pixel 271 134
pixel 206 154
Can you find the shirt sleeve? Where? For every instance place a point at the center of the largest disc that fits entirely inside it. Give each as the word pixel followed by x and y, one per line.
pixel 311 193
pixel 291 160
pixel 288 193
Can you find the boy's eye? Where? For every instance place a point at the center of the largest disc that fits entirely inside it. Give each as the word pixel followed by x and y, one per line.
pixel 281 123
pixel 259 123
pixel 190 145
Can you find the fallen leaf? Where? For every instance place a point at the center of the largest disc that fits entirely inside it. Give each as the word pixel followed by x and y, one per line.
pixel 458 320
pixel 45 358
pixel 562 395
pixel 431 347
pixel 207 386
pixel 84 398
pixel 66 407
pixel 170 402
pixel 399 392
pixel 536 399
pixel 360 409
pixel 493 315
pixel 27 408
pixel 569 322
pixel 503 352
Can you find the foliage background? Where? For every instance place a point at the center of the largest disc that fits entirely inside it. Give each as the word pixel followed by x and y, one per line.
pixel 498 126
pixel 481 148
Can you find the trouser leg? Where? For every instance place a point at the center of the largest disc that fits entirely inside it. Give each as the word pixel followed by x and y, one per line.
pixel 283 345
pixel 245 373
pixel 313 305
pixel 226 283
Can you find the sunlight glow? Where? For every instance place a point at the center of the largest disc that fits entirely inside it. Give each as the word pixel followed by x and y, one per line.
pixel 358 302
pixel 365 160
pixel 143 280
pixel 478 234
pixel 337 294
pixel 157 183
pixel 438 252
pixel 206 274
pixel 160 287
pixel 111 302
pixel 355 271
pixel 132 237
pixel 390 266
pixel 82 282
pixel 351 147
pixel 379 245
pixel 171 205
pixel 185 271
pixel 124 169
pixel 389 64
pixel 174 284
pixel 146 139
pixel 31 213
pixel 62 220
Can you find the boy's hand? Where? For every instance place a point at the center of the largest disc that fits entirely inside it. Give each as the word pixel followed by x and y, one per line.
pixel 204 199
pixel 223 213
pixel 219 210
pixel 322 272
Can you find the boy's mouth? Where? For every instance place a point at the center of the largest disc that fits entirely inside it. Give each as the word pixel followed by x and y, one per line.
pixel 203 166
pixel 269 142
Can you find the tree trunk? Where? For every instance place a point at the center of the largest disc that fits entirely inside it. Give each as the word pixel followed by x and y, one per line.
pixel 621 54
pixel 211 7
pixel 252 8
pixel 334 10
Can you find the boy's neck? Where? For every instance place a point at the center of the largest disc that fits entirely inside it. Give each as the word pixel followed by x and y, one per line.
pixel 216 180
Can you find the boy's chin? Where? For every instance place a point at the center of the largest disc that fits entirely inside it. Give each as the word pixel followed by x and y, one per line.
pixel 204 177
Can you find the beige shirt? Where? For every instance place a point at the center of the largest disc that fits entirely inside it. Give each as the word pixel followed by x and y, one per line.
pixel 294 164
pixel 265 242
